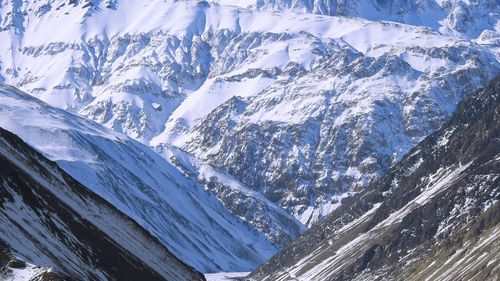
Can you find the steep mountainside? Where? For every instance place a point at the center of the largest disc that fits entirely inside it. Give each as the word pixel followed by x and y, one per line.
pixel 189 220
pixel 301 108
pixel 434 215
pixel 49 219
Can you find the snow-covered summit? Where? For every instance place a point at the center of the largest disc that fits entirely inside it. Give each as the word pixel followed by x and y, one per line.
pixel 297 100
pixel 453 17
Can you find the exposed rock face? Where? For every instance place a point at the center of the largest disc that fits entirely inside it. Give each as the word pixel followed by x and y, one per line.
pixel 312 135
pixel 433 215
pixel 291 104
pixel 296 104
pixel 248 205
pixel 50 219
pixel 175 208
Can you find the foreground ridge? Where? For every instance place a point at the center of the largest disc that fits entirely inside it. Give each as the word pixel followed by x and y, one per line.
pixel 50 220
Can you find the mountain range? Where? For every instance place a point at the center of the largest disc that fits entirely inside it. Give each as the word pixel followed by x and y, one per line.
pixel 225 129
pixel 433 216
pixel 301 106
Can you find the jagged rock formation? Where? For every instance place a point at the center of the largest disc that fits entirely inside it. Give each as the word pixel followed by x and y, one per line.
pixel 436 214
pixel 302 108
pixel 51 220
pixel 248 205
pixel 301 142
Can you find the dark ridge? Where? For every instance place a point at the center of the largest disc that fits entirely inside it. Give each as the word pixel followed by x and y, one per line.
pixel 99 250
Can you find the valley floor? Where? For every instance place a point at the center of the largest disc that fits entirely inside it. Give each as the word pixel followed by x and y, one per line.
pixel 226 276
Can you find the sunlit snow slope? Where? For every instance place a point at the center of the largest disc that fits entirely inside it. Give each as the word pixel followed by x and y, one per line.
pixel 186 218
pixel 292 102
pixel 461 18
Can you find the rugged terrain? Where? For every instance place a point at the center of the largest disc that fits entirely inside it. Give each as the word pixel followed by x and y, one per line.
pixel 434 215
pixel 459 18
pixel 54 228
pixel 300 101
pixel 262 115
pixel 189 220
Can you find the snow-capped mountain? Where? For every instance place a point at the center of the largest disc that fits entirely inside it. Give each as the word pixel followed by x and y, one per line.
pixel 54 228
pixel 175 208
pixel 307 138
pixel 292 102
pixel 433 216
pixel 460 18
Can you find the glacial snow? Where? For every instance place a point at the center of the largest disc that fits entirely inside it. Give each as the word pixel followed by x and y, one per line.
pixel 365 80
pixel 188 220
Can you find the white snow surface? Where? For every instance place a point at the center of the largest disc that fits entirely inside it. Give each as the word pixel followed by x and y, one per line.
pixel 460 18
pixel 226 276
pixel 386 72
pixel 188 220
pixel 146 67
pixel 24 274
